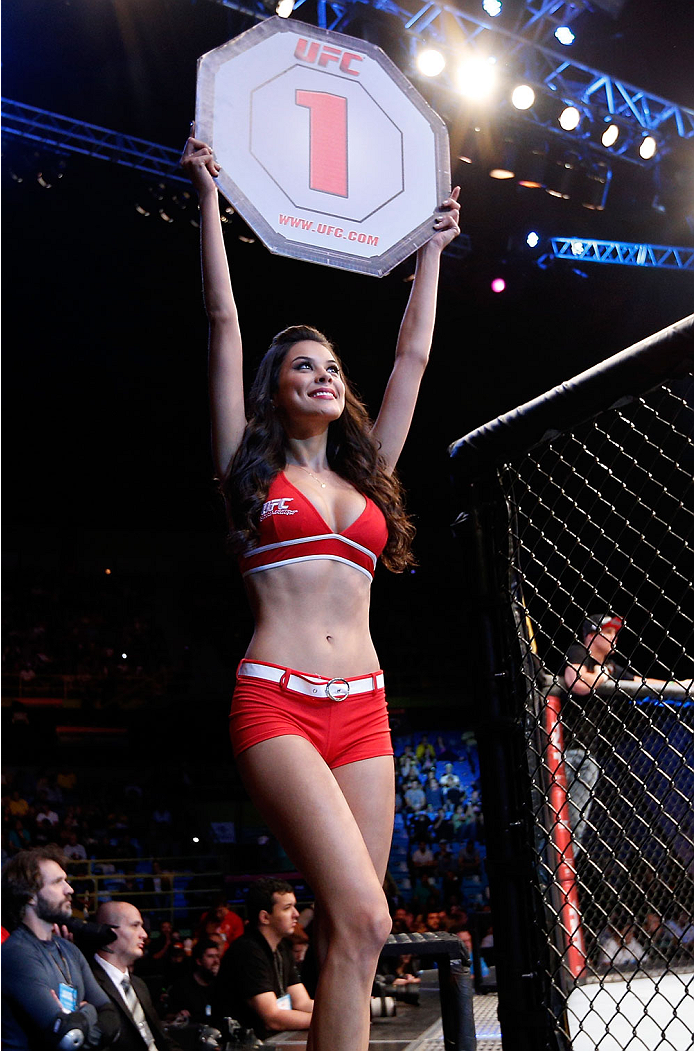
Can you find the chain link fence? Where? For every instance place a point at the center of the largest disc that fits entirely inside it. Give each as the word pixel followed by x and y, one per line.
pixel 594 570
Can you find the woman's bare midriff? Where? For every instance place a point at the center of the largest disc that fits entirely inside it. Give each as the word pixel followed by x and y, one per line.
pixel 312 617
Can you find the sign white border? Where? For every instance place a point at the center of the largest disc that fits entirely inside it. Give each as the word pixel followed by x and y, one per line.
pixel 274 240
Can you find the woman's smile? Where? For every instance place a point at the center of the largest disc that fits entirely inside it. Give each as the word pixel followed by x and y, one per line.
pixel 309 371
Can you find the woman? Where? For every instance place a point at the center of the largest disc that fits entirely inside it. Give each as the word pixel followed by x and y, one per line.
pixel 312 500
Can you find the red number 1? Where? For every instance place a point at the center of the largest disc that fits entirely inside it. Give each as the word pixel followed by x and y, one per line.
pixel 327 141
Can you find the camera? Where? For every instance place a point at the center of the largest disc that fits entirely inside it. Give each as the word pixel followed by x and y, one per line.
pixel 238 1037
pixel 382 1005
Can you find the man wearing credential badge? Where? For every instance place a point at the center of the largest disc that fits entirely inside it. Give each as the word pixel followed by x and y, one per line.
pixel 258 982
pixel 313 502
pixel 49 996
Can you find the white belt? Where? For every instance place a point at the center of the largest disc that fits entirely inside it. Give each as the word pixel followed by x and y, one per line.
pixel 312 686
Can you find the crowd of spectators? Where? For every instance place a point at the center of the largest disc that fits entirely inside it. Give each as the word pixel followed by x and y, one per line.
pixel 100 628
pixel 438 808
pixel 109 824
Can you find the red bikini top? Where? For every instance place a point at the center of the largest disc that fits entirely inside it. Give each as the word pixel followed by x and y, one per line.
pixel 292 530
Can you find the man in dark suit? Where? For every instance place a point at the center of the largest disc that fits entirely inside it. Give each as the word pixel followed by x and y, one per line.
pixel 140 1029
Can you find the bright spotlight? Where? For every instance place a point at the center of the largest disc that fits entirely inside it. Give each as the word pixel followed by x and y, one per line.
pixel 648 148
pixel 577 248
pixel 430 63
pixel 284 8
pixel 610 135
pixel 476 78
pixel 498 284
pixel 570 118
pixel 501 173
pixel 564 35
pixel 533 239
pixel 492 7
pixel 523 96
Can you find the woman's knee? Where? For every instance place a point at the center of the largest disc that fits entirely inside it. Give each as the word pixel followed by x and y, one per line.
pixel 363 929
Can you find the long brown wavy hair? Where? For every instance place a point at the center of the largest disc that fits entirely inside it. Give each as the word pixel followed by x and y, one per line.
pixel 352 452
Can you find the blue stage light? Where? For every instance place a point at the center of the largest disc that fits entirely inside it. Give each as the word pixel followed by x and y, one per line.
pixel 564 35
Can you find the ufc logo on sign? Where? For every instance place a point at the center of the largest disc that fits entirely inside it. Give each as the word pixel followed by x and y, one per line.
pixel 322 55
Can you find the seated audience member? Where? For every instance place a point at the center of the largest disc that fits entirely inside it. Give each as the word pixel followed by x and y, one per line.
pixel 428 766
pixel 402 921
pixel 258 982
pixel 469 861
pixel 425 750
pixel 444 752
pixel 445 862
pixel 449 779
pixel 73 849
pixel 180 963
pixel 619 946
pixel 442 827
pixel 433 793
pixel 682 930
pixel 48 989
pixel 66 780
pixel 159 887
pixel 414 796
pixel 300 943
pixel 160 948
pixel 18 838
pixel 18 806
pixel 191 998
pixel 468 828
pixel 45 834
pixel 407 764
pixel 400 970
pixel 432 921
pixel 487 946
pixel 422 858
pixel 425 895
pixel 466 938
pixel 419 824
pixel 46 813
pixel 140 1029
pixel 458 821
pixel 223 921
pixel 450 888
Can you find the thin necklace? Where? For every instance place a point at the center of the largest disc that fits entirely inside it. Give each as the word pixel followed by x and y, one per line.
pixel 321 484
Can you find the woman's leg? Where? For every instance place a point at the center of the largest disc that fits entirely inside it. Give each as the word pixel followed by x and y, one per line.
pixel 369 788
pixel 307 809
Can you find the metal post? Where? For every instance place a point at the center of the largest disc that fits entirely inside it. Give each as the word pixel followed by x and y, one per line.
pixel 505 782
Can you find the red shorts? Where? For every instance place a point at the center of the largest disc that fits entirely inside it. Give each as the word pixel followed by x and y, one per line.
pixel 344 719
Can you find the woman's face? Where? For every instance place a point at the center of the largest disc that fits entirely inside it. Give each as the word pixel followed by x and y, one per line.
pixel 310 384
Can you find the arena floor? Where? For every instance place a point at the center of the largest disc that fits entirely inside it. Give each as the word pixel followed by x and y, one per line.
pixel 416 1028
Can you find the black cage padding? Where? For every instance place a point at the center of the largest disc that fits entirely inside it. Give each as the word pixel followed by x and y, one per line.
pixel 667 353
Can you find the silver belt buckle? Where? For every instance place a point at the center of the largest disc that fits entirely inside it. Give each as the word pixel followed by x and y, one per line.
pixel 340 688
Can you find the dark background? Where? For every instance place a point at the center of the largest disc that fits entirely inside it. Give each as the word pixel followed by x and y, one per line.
pixel 106 435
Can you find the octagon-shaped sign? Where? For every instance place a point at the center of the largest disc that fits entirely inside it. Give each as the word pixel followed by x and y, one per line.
pixel 326 149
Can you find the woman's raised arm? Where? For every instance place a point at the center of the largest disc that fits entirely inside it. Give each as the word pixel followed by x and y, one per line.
pixel 225 356
pixel 414 340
